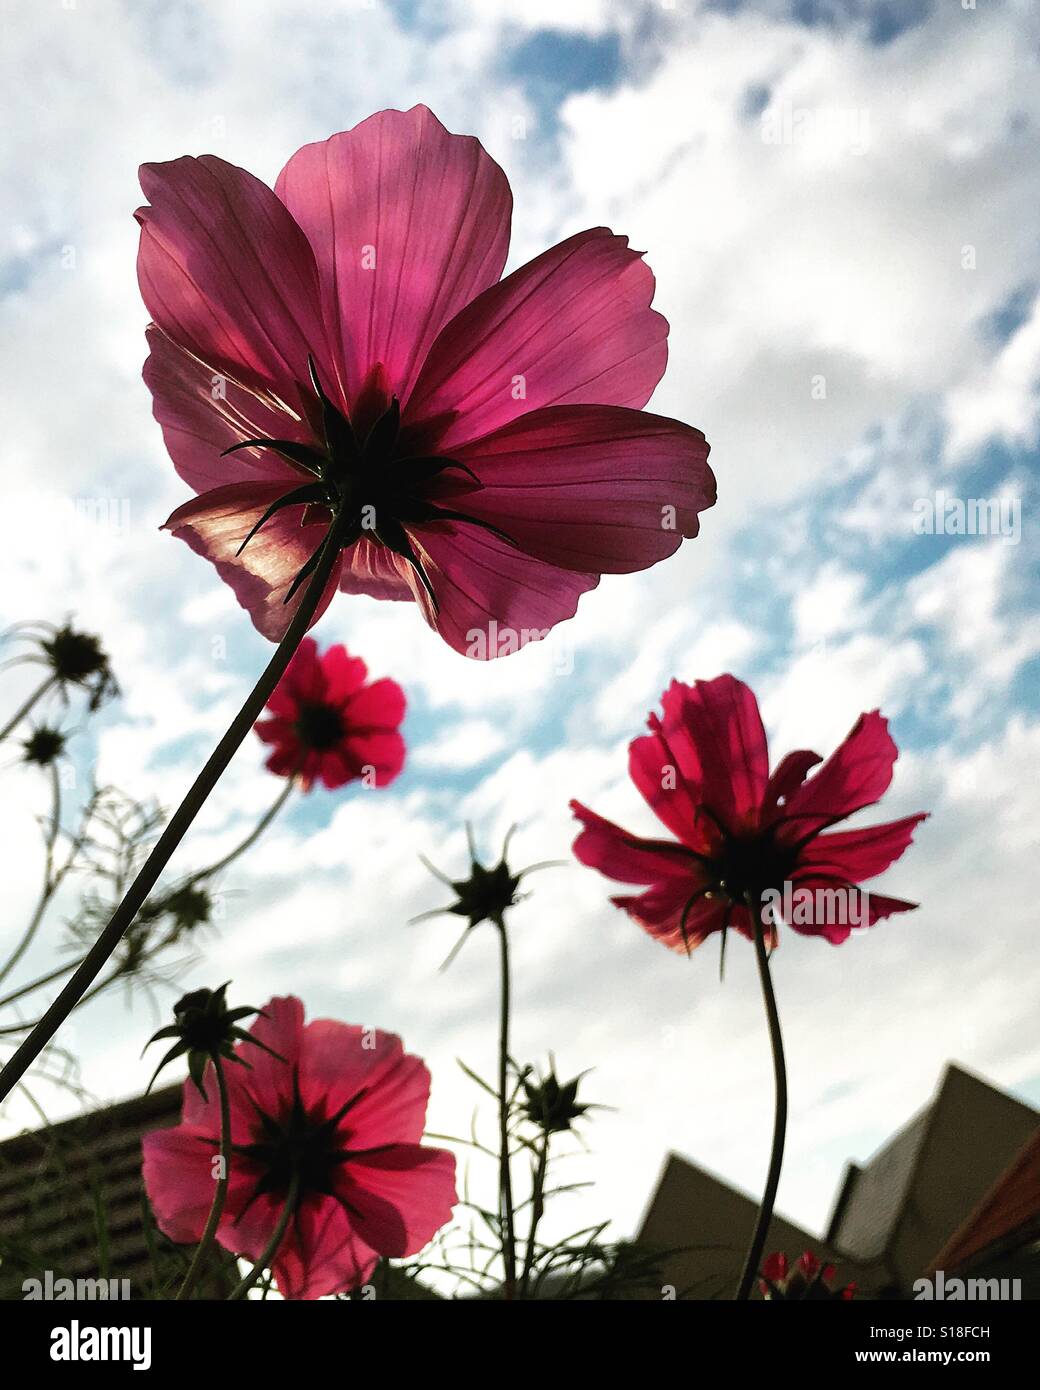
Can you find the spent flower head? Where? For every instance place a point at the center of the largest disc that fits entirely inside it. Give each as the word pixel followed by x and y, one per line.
pixel 486 894
pixel 44 746
pixel 75 658
pixel 190 905
pixel 206 1030
pixel 551 1106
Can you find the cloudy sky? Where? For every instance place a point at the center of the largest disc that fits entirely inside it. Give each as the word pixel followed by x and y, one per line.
pixel 838 198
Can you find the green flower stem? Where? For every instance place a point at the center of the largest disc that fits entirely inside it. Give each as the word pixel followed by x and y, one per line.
pixel 505 1176
pixel 197 877
pixel 53 877
pixel 537 1207
pixel 181 820
pixel 24 709
pixel 250 840
pixel 50 878
pixel 271 1248
pixel 220 1195
pixel 39 982
pixel 776 1157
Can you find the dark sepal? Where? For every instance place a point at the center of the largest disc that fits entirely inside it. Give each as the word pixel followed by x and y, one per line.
pixel 177 1050
pixel 306 571
pixel 381 437
pixel 393 535
pixel 307 493
pixel 418 470
pixel 435 513
pixel 339 436
pixel 302 454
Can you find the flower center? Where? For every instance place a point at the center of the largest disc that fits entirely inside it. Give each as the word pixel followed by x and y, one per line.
pixel 373 481
pixel 300 1142
pixel 751 864
pixel 319 726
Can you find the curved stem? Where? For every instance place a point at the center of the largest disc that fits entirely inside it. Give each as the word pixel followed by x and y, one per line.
pixel 39 982
pixel 182 818
pixel 98 988
pixel 505 1176
pixel 250 840
pixel 765 1211
pixel 50 879
pixel 271 1248
pixel 24 709
pixel 220 1196
pixel 537 1208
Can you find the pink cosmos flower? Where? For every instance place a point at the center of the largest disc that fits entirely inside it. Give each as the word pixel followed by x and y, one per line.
pixel 740 831
pixel 345 344
pixel 327 723
pixel 345 1110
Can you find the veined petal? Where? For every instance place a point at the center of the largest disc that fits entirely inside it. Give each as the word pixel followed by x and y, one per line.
pixel 226 272
pixel 216 523
pixel 722 721
pixel 572 327
pixel 389 1088
pixel 661 909
pixel 785 779
pixel 857 774
pixel 824 906
pixel 203 412
pixel 402 1194
pixel 178 1177
pixel 662 772
pixel 493 599
pixel 408 223
pixel 856 855
pixel 628 858
pixel 322 1253
pixel 372 569
pixel 591 488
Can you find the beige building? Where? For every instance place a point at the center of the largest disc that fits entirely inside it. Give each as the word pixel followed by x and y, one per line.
pixel 893 1214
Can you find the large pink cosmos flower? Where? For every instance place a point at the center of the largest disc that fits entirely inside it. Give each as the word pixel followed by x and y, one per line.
pixel 345 343
pixel 704 771
pixel 344 1107
pixel 327 723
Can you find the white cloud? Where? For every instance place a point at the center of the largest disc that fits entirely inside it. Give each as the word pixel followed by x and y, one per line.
pixel 1001 400
pixel 776 263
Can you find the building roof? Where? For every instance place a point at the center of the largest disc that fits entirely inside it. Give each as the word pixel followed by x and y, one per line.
pixel 72 1201
pixel 704 1227
pixel 902 1205
pixel 892 1212
pixel 1007 1217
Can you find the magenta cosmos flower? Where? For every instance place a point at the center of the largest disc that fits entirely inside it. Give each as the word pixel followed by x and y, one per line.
pixel 345 345
pixel 327 724
pixel 345 1111
pixel 741 831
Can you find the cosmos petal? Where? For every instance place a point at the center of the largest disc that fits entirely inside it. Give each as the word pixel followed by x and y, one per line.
pixel 227 273
pixel 572 327
pixel 857 774
pixel 216 523
pixel 591 488
pixel 408 223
